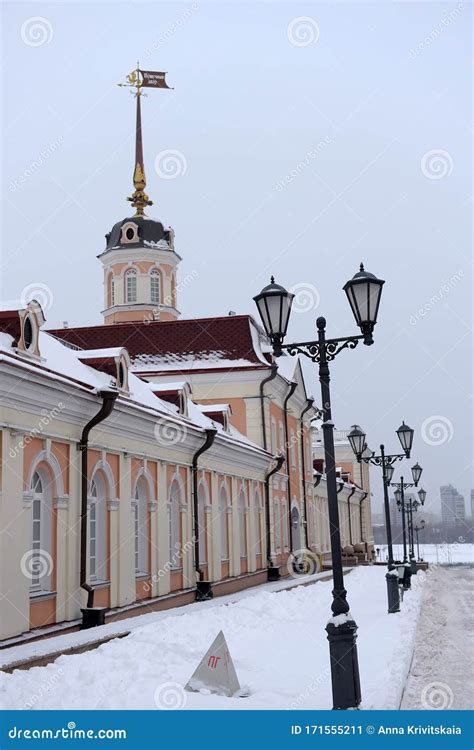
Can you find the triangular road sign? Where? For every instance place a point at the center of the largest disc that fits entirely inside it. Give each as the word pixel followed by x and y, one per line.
pixel 216 671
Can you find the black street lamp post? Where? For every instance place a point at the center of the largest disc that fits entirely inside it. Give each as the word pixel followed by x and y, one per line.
pixel 274 305
pixel 357 439
pixel 417 530
pixel 407 513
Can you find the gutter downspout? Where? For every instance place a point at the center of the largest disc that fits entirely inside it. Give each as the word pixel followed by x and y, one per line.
pixel 273 570
pixel 292 389
pixel 349 512
pixel 272 376
pixel 108 402
pixel 360 517
pixel 309 403
pixel 203 588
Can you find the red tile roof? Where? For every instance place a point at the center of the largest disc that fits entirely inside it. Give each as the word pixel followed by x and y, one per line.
pixel 225 338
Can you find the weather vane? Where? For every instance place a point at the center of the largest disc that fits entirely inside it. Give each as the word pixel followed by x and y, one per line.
pixel 139 79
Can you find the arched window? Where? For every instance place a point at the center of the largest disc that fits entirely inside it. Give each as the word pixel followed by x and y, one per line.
pixel 286 531
pixel 174 524
pixel 131 286
pixel 277 524
pixel 257 529
pixel 274 435
pixel 242 524
pixel 224 527
pixel 40 565
pixel 98 529
pixel 202 496
pixel 140 502
pixel 155 287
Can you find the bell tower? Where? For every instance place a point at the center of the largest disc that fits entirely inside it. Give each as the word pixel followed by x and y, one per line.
pixel 139 260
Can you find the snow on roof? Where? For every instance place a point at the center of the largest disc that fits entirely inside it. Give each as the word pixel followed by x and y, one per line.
pixel 175 385
pixel 287 366
pixel 214 407
pixel 101 353
pixel 214 360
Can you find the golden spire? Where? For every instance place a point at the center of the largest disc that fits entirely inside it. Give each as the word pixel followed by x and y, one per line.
pixel 139 199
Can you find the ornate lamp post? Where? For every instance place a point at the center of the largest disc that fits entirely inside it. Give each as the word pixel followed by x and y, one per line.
pixel 274 305
pixel 357 439
pixel 418 529
pixel 407 510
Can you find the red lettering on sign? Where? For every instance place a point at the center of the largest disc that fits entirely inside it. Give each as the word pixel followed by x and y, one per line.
pixel 213 661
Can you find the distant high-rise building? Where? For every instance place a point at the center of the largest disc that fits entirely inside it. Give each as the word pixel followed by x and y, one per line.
pixel 472 503
pixel 453 509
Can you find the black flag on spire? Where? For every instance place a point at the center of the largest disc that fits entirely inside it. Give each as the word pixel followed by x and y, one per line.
pixel 154 79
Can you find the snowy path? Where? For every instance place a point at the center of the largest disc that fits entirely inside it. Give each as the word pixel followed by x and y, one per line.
pixel 277 641
pixel 441 674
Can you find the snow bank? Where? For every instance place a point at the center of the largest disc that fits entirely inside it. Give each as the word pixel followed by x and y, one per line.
pixel 276 639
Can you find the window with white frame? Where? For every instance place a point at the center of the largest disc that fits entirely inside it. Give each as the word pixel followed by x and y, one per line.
pixel 242 524
pixel 155 287
pixel 274 435
pixel 140 502
pixel 293 449
pixel 257 529
pixel 277 525
pixel 282 437
pixel 284 514
pixel 131 286
pixel 40 565
pixel 97 530
pixel 174 511
pixel 202 496
pixel 224 527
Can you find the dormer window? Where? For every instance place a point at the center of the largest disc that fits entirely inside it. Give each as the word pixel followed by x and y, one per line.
pixel 123 364
pixel 31 320
pixel 129 234
pixel 131 286
pixel 28 332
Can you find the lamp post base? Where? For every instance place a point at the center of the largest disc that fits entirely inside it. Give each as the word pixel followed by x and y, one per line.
pixel 414 569
pixel 344 664
pixel 393 593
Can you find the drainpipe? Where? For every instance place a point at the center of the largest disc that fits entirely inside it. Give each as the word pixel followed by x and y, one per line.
pixel 360 518
pixel 349 512
pixel 309 403
pixel 273 372
pixel 273 570
pixel 90 617
pixel 203 588
pixel 292 389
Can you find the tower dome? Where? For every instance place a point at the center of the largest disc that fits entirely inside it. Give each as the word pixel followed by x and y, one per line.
pixel 139 260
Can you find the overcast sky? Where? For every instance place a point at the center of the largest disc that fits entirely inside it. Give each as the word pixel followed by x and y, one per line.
pixel 304 138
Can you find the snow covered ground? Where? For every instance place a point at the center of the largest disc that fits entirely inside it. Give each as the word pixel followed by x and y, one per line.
pixel 276 639
pixel 441 675
pixel 443 554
